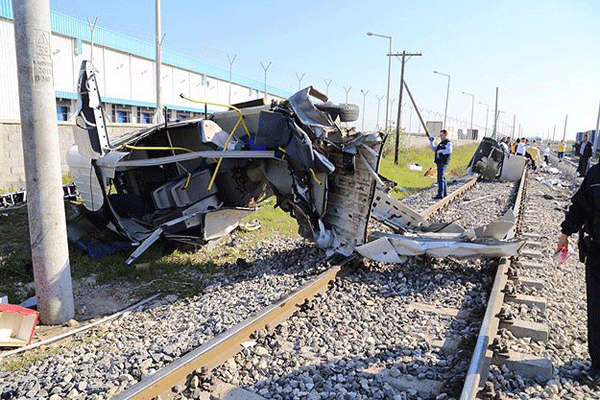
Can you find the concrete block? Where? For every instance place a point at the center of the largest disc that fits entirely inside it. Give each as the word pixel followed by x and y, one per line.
pixel 533 244
pixel 531 282
pixel 526 365
pixel 448 346
pixel 520 329
pixel 450 312
pixel 225 391
pixel 531 253
pixel 532 236
pixel 408 383
pixel 531 301
pixel 530 265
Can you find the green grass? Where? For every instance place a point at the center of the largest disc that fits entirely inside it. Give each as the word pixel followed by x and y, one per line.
pixel 27 359
pixel 412 181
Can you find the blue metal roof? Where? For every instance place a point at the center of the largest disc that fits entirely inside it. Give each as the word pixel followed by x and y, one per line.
pixel 73 27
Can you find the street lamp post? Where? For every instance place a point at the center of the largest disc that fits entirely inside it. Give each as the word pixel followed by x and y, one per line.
pixel 447 94
pixel 472 104
pixel 487 111
pixel 387 98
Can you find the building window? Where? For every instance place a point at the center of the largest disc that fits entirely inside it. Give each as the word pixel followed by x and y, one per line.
pixel 62 112
pixel 146 118
pixel 145 115
pixel 122 116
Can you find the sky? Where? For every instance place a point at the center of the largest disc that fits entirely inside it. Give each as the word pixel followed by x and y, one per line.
pixel 543 56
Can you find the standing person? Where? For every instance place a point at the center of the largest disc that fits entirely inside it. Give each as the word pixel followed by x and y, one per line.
pixel 547 154
pixel 513 149
pixel 532 152
pixel 504 145
pixel 520 151
pixel 442 156
pixel 561 150
pixel 584 216
pixel 585 152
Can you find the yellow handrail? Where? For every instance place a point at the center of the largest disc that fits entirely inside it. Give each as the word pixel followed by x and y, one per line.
pixel 240 119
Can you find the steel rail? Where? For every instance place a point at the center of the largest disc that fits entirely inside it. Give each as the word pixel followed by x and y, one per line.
pixel 482 355
pixel 219 349
pixel 443 202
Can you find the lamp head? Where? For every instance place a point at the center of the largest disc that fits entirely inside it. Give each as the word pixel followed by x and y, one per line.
pixel 369 33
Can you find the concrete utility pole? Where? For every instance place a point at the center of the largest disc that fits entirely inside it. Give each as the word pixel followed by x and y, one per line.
pixel 327 83
pixel 565 131
pixel 363 109
pixel 158 116
pixel 231 60
pixel 553 133
pixel 596 139
pixel 403 60
pixel 265 68
pixel 41 153
pixel 513 130
pixel 495 115
pixel 379 98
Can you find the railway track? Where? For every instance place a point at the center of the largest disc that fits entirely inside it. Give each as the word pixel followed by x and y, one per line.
pixel 186 377
pixel 354 331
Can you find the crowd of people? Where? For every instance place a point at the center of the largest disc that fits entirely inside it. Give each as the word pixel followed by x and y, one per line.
pixel 531 151
pixel 522 147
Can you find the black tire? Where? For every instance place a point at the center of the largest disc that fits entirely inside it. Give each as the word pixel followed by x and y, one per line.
pixel 346 112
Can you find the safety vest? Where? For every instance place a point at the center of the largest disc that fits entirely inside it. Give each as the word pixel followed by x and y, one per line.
pixel 442 158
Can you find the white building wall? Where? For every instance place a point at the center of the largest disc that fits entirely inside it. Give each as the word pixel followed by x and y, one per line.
pixel 181 84
pixel 9 100
pixel 142 79
pixel 116 66
pixel 166 86
pixel 197 88
pixel 62 63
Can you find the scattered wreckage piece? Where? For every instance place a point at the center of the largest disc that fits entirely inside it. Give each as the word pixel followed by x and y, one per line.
pixel 16 325
pixel 492 162
pixel 394 214
pixel 445 241
pixel 19 197
pixel 200 177
pixel 439 240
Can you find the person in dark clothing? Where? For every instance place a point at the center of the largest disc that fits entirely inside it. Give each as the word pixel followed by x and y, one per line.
pixel 442 156
pixel 584 216
pixel 585 152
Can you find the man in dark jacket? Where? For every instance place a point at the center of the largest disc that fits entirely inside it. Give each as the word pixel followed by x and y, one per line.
pixel 442 156
pixel 584 213
pixel 585 152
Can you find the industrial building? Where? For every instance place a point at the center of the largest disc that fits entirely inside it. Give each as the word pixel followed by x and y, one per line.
pixel 127 82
